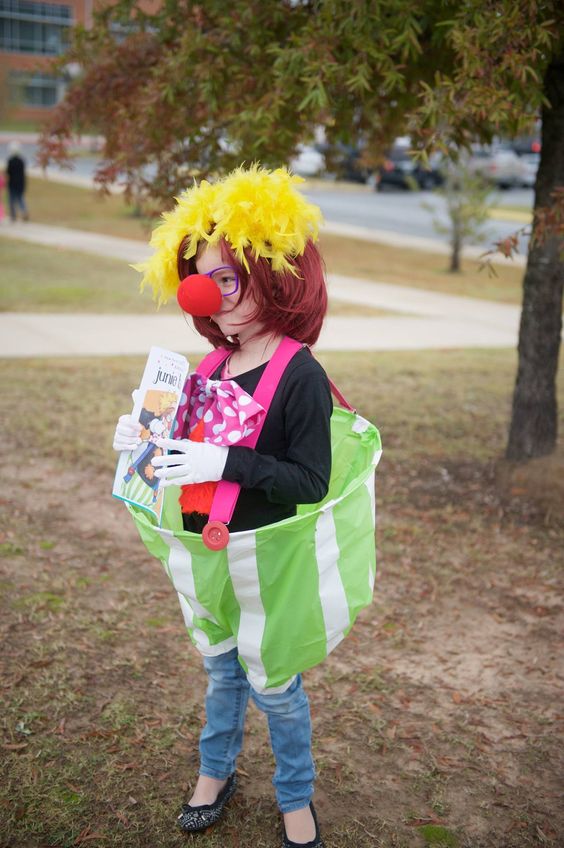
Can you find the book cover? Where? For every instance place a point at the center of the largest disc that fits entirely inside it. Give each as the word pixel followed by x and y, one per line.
pixel 155 407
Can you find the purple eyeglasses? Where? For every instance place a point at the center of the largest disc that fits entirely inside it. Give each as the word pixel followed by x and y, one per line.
pixel 226 279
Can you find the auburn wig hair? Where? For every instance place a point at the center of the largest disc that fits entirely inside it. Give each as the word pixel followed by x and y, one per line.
pixel 289 302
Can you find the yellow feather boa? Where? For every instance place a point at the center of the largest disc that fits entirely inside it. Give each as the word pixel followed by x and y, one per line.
pixel 251 207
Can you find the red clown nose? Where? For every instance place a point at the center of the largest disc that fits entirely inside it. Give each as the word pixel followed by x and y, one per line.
pixel 199 295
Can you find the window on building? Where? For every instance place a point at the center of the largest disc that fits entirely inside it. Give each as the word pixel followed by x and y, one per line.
pixel 29 27
pixel 28 88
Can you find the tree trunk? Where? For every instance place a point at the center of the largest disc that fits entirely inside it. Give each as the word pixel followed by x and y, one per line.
pixel 533 426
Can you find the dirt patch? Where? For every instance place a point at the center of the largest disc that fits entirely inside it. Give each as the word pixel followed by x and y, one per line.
pixel 441 708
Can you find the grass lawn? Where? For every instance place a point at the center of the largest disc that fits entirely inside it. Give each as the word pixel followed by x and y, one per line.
pixel 13 125
pixel 386 264
pixel 83 209
pixel 435 722
pixel 36 278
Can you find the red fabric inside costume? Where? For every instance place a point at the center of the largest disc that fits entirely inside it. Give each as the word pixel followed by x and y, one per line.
pixel 197 497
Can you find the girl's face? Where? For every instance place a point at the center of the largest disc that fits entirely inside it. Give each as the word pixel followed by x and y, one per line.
pixel 235 311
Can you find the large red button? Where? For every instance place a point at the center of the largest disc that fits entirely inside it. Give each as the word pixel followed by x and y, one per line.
pixel 215 535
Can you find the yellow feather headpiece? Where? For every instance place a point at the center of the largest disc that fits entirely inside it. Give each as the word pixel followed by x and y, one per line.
pixel 250 208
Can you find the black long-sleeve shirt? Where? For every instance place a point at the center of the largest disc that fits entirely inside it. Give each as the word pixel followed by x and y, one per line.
pixel 291 463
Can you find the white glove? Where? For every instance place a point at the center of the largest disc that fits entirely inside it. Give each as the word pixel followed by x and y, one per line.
pixel 198 462
pixel 127 435
pixel 128 429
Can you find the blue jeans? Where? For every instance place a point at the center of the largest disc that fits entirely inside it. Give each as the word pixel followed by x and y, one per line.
pixel 288 722
pixel 16 200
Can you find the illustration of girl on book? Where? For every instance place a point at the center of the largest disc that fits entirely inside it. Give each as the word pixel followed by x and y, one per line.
pixel 156 422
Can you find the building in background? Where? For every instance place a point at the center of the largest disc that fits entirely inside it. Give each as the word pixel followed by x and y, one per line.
pixel 31 35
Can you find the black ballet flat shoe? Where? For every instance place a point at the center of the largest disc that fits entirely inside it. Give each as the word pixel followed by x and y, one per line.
pixel 316 842
pixel 192 819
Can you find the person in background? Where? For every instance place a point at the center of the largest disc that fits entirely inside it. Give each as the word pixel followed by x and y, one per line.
pixel 15 173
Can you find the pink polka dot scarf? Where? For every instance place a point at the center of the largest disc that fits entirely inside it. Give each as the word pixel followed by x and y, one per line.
pixel 228 412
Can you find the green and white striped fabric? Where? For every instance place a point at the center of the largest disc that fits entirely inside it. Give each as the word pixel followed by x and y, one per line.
pixel 285 594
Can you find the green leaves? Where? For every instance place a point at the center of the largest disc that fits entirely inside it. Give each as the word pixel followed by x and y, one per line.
pixel 258 76
pixel 316 98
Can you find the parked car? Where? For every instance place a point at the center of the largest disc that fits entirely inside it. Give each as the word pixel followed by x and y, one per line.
pixel 345 162
pixel 499 164
pixel 528 149
pixel 401 170
pixel 309 162
pixel 526 144
pixel 530 165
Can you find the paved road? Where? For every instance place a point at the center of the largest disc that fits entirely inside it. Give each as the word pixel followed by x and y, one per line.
pixel 425 319
pixel 403 212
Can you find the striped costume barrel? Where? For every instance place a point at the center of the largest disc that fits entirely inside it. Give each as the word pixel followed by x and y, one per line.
pixel 285 594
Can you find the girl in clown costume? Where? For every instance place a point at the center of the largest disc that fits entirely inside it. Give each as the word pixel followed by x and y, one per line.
pixel 240 255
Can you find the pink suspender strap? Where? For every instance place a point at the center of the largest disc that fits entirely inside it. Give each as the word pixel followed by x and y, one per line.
pixel 340 397
pixel 212 361
pixel 227 493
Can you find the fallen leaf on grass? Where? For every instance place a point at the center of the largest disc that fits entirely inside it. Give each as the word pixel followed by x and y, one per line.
pixel 541 611
pixel 546 832
pixel 457 697
pixel 98 732
pixel 125 766
pixel 123 818
pixel 447 761
pixel 520 825
pixel 14 746
pixel 412 742
pixel 86 836
pixel 73 788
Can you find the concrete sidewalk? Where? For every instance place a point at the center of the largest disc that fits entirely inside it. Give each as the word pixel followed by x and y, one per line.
pixel 427 320
pixel 99 244
pixel 23 334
